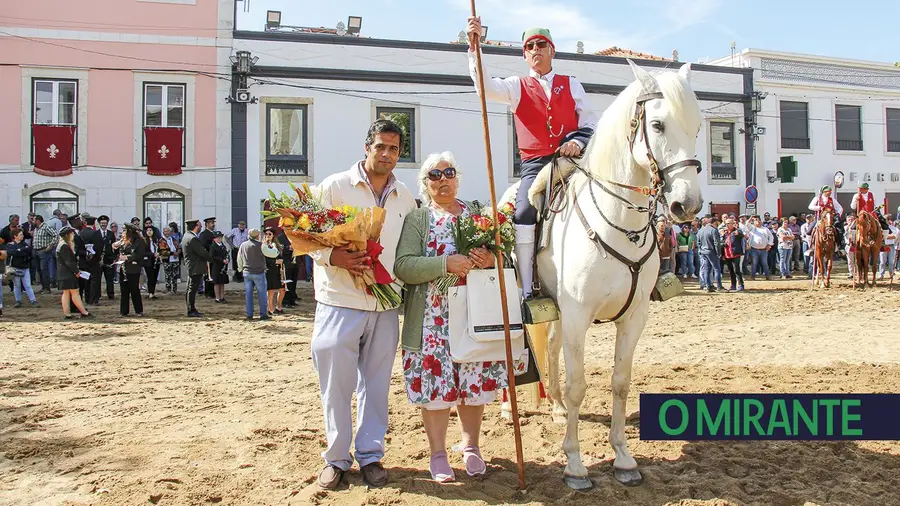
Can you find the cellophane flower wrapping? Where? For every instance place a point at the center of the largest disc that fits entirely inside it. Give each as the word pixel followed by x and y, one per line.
pixel 310 226
pixel 477 231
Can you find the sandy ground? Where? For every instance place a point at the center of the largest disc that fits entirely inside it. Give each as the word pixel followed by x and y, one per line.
pixel 162 410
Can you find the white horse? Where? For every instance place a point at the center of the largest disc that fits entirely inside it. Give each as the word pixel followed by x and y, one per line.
pixel 585 276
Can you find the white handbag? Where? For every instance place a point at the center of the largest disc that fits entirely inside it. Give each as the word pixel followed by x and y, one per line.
pixel 476 318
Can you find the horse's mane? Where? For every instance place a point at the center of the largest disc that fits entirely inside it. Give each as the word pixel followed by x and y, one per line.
pixel 608 148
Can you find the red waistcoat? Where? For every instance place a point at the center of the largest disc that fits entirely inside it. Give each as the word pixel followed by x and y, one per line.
pixel 866 203
pixel 534 113
pixel 826 202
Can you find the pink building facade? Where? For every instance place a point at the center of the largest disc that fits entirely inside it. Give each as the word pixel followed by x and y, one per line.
pixel 110 71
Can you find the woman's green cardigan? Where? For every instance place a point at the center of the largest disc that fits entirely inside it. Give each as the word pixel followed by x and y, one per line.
pixel 416 270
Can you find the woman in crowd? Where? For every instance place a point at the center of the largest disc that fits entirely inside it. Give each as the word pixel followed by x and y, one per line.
pixel 218 267
pixel 785 248
pixel 20 255
pixel 151 259
pixel 274 271
pixel 169 254
pixel 732 252
pixel 132 251
pixel 67 274
pixel 426 253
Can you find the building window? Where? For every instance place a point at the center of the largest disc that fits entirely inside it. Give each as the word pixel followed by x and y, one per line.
pixel 794 125
pixel 721 148
pixel 47 201
pixel 848 127
pixel 405 118
pixel 164 207
pixel 287 140
pixel 55 102
pixel 893 130
pixel 164 107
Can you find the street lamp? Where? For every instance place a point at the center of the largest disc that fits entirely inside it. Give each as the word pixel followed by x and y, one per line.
pixel 242 61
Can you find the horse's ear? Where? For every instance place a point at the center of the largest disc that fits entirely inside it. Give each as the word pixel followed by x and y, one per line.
pixel 647 81
pixel 685 72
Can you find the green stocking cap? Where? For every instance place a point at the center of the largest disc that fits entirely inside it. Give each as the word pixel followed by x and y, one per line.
pixel 541 33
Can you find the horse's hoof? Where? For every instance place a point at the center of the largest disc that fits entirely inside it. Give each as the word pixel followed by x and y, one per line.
pixel 580 484
pixel 628 477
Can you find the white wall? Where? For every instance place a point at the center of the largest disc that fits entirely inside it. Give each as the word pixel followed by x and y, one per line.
pixel 114 192
pixel 817 166
pixel 339 124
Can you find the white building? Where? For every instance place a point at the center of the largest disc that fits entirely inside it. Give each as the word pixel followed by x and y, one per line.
pixel 830 115
pixel 319 93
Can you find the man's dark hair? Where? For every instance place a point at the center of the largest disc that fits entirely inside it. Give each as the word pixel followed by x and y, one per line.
pixel 382 126
pixel 38 217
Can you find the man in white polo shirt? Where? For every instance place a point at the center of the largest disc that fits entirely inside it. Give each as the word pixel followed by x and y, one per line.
pixel 354 341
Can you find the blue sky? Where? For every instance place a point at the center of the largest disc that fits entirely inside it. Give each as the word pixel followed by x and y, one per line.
pixel 863 29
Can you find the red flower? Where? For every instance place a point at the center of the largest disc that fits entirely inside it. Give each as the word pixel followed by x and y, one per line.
pixel 438 321
pixel 433 364
pixel 489 385
pixel 451 396
pixel 407 364
pixel 441 248
pixel 432 244
pixel 416 385
pixel 433 394
pixel 486 365
pixel 475 389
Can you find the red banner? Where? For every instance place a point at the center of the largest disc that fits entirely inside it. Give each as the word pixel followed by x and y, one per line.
pixel 163 150
pixel 53 146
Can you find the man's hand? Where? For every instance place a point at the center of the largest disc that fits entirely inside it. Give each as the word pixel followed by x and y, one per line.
pixel 473 30
pixel 356 263
pixel 570 149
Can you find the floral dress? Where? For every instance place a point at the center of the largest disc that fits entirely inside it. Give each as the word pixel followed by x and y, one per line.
pixel 433 380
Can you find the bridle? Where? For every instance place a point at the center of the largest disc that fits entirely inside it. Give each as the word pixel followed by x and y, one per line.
pixel 658 184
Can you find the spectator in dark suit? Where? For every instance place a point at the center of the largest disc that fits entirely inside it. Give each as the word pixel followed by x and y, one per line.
pixel 132 251
pixel 108 257
pixel 195 260
pixel 67 273
pixel 93 243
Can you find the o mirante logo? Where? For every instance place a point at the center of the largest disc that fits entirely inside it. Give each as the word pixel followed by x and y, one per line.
pixel 695 417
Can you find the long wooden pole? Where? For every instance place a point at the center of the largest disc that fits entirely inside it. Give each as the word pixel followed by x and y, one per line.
pixel 520 458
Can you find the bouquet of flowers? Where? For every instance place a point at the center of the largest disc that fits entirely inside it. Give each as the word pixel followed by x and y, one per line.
pixel 477 231
pixel 310 226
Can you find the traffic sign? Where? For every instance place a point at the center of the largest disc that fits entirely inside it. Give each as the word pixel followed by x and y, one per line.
pixel 751 194
pixel 750 209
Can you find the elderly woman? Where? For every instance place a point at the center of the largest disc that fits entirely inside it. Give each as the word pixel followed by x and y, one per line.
pixel 426 253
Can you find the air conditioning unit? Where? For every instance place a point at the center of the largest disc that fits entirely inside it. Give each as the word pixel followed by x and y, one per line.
pixel 242 96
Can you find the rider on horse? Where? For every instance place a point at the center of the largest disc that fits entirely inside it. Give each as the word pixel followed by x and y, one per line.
pixel 864 200
pixel 821 203
pixel 551 114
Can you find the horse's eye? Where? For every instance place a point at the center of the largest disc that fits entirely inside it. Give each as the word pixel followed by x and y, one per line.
pixel 658 127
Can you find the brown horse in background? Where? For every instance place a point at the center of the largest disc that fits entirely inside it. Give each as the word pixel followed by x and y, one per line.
pixel 868 245
pixel 823 254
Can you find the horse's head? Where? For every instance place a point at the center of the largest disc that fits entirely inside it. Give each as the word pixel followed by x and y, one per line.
pixel 664 138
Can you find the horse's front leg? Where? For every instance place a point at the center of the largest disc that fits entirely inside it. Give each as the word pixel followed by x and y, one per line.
pixel 574 330
pixel 628 331
pixel 554 346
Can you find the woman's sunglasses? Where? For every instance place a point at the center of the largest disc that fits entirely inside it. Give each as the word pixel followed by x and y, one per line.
pixel 541 44
pixel 435 174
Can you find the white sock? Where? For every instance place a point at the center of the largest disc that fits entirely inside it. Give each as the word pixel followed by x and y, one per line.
pixel 525 256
